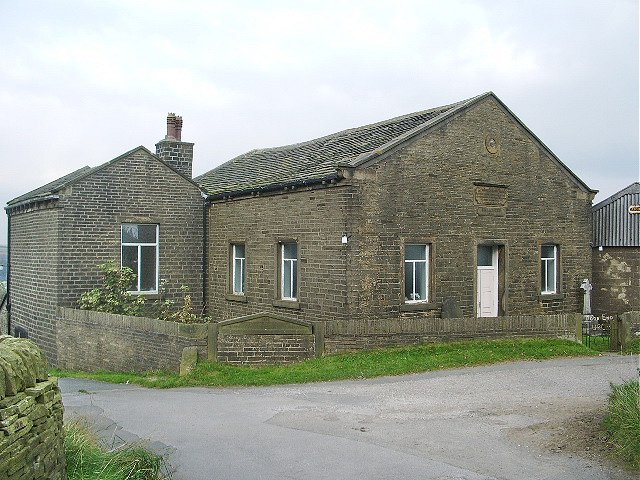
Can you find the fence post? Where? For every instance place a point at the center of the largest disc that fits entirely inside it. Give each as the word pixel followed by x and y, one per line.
pixel 318 333
pixel 212 342
pixel 578 327
pixel 614 339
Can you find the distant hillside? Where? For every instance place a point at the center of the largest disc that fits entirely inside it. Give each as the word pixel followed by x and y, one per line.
pixel 3 263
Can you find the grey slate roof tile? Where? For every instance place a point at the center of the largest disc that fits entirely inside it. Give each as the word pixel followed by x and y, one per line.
pixel 312 160
pixel 50 188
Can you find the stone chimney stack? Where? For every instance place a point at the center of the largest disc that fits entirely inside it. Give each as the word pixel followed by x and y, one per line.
pixel 172 150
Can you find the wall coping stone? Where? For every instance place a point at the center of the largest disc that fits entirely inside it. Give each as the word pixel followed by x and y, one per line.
pixel 151 325
pixel 22 365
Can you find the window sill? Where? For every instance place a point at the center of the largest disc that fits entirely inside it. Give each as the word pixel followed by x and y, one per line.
pixel 550 296
pixel 290 304
pixel 147 296
pixel 234 297
pixel 419 306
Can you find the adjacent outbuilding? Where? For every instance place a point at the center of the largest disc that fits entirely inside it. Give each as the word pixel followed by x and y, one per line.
pixel 140 209
pixel 616 252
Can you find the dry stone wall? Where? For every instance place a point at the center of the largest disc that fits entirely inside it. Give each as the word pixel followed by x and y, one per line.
pixel 31 435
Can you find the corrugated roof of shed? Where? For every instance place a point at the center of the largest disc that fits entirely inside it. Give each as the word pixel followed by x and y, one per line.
pixel 613 224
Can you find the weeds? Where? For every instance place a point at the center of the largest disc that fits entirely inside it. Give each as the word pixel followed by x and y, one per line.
pixel 86 460
pixel 623 422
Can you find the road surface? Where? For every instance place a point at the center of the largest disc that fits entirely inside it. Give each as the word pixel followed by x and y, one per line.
pixel 507 421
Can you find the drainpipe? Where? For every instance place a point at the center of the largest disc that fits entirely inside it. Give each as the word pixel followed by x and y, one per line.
pixel 205 255
pixel 7 296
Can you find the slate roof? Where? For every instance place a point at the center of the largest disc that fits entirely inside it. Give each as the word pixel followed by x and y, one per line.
pixel 50 188
pixel 318 159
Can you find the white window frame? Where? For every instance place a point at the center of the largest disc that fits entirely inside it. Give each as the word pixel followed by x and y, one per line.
pixel 544 261
pixel 243 269
pixel 290 264
pixel 412 265
pixel 140 245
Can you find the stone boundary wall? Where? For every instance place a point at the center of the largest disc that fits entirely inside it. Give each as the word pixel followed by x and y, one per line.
pixel 625 330
pixel 31 435
pixel 264 349
pixel 264 338
pixel 344 336
pixel 91 341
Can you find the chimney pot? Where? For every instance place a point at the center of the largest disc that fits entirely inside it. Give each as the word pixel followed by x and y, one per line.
pixel 171 126
pixel 178 128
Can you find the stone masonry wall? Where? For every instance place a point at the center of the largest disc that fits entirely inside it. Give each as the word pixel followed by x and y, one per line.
pixel 56 247
pixel 135 188
pixel 264 349
pixel 478 178
pixel 344 336
pixel 626 332
pixel 616 280
pixel 31 435
pixel 93 341
pixel 35 277
pixel 315 218
pixel 177 154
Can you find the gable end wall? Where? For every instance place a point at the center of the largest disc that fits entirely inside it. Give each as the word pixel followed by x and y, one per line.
pixel 447 189
pixel 136 189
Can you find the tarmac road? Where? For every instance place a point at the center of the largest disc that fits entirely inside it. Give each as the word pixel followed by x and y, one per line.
pixel 504 421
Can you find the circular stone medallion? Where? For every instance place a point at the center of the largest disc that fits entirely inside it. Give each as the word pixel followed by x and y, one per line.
pixel 491 143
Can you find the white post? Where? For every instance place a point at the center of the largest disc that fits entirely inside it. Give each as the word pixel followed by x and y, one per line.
pixel 587 287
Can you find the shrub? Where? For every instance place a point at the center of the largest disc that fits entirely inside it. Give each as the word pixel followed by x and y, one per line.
pixel 172 311
pixel 113 296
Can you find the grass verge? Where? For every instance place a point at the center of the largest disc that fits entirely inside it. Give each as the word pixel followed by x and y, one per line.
pixel 86 460
pixel 375 363
pixel 623 422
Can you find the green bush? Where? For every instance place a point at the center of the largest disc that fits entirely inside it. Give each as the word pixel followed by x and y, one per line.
pixel 623 422
pixel 113 296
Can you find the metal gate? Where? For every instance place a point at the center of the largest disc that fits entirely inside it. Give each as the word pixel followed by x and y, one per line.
pixel 596 332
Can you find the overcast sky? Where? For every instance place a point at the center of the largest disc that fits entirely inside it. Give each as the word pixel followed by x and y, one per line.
pixel 83 81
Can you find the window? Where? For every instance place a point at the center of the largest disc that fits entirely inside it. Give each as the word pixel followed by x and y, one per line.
pixel 289 270
pixel 416 273
pixel 548 269
pixel 238 269
pixel 140 254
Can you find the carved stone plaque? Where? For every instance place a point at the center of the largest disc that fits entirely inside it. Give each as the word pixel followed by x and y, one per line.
pixel 491 144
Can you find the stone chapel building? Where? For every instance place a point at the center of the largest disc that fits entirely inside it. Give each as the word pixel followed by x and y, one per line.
pixel 458 210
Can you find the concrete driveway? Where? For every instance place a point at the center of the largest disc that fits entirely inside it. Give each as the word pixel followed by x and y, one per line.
pixel 510 421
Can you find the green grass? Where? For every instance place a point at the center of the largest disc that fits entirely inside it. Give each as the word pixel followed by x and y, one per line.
pixel 599 344
pixel 623 422
pixel 86 460
pixel 633 346
pixel 375 363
